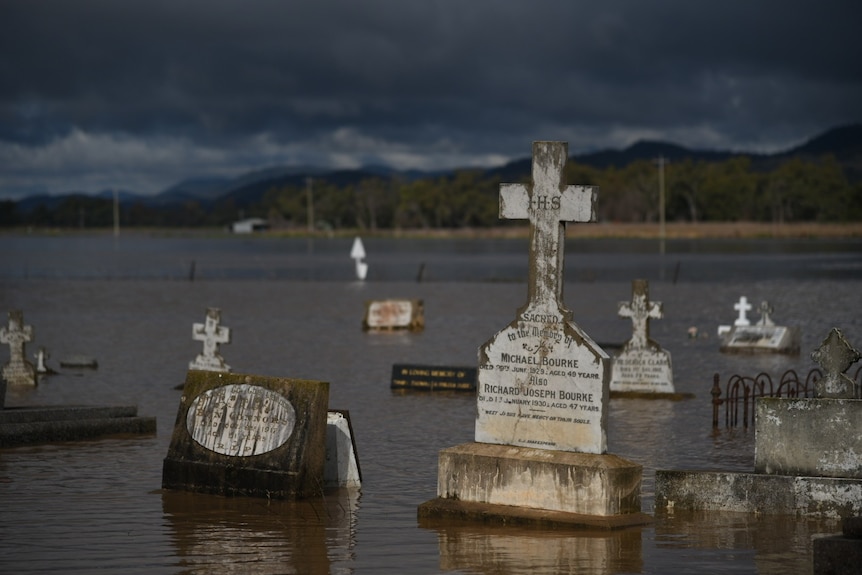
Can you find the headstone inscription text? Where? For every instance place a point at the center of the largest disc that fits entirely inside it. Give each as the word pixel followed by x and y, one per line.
pixel 642 365
pixel 17 371
pixel 542 381
pixel 240 420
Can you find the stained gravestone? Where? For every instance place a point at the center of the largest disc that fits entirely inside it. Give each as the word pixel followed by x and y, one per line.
pixel 806 453
pixel 17 371
pixel 393 315
pixel 761 337
pixel 543 387
pixel 642 365
pixel 211 333
pixel 249 435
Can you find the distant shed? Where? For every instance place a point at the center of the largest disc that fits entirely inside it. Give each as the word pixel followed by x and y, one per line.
pixel 249 225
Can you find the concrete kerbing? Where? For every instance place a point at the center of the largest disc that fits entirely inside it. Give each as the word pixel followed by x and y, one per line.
pixel 441 508
pixel 824 497
pixel 33 425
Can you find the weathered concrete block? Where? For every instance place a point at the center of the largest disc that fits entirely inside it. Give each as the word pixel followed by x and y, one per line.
pixel 839 554
pixel 824 497
pixel 808 437
pixel 582 483
pixel 249 435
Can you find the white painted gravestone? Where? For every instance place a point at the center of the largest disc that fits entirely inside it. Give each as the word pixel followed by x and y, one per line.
pixel 542 380
pixel 642 365
pixel 211 333
pixel 17 371
pixel 394 315
pixel 761 337
pixel 542 390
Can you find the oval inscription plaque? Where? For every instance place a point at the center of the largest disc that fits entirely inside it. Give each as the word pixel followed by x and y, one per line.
pixel 240 420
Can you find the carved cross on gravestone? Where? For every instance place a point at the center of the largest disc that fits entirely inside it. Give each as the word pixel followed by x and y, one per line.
pixel 640 310
pixel 742 307
pixel 18 370
pixel 211 333
pixel 835 355
pixel 547 203
pixel 765 313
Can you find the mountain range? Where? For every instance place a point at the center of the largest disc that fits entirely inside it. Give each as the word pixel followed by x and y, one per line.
pixel 843 143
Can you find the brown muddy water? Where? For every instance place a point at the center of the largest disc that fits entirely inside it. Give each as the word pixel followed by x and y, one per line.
pixel 295 310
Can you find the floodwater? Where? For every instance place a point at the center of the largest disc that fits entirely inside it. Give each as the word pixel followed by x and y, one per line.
pixel 295 309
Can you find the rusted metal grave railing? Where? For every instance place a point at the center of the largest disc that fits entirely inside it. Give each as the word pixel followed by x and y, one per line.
pixel 743 390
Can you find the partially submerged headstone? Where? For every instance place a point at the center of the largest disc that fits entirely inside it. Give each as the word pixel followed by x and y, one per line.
pixel 642 366
pixel 357 253
pixel 17 371
pixel 78 360
pixel 342 464
pixel 762 337
pixel 35 425
pixel 807 453
pixel 394 314
pixel 543 387
pixel 433 377
pixel 42 357
pixel 211 333
pixel 249 435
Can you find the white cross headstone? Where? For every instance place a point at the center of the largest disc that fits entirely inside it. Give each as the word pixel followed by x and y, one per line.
pixel 17 371
pixel 211 333
pixel 642 365
pixel 742 307
pixel 542 381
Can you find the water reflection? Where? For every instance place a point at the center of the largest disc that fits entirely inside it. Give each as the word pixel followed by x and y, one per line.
pixel 214 534
pixel 508 549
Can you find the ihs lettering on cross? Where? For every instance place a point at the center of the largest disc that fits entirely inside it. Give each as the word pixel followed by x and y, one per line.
pixel 547 203
pixel 640 310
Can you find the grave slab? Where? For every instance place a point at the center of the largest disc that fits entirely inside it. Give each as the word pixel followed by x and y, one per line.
pixel 249 435
pixel 394 315
pixel 642 366
pixel 35 425
pixel 760 338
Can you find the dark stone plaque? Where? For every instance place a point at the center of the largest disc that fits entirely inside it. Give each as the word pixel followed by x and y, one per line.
pixel 248 435
pixel 431 377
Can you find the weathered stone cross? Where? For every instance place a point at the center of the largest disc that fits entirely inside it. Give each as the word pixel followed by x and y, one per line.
pixel 18 370
pixel 742 307
pixel 835 355
pixel 640 310
pixel 211 334
pixel 765 314
pixel 547 202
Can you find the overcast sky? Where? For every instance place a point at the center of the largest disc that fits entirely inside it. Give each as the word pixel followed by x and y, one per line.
pixel 138 95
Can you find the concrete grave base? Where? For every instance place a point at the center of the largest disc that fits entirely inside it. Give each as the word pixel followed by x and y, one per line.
pixel 32 425
pixel 674 396
pixel 486 481
pixel 755 340
pixel 823 497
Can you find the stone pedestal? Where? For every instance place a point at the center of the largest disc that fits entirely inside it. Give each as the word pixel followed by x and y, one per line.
pixel 519 484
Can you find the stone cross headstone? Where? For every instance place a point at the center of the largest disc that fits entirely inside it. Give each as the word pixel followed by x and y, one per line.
pixel 835 355
pixel 765 314
pixel 542 381
pixel 642 365
pixel 211 333
pixel 742 307
pixel 17 371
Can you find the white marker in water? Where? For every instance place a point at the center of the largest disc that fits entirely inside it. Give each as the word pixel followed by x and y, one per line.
pixel 358 253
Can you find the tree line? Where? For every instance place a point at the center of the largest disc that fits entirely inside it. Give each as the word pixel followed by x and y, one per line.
pixel 794 190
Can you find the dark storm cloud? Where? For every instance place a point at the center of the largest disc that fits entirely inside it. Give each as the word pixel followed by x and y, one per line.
pixel 139 94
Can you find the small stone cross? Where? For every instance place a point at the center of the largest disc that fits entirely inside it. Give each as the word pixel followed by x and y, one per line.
pixel 640 310
pixel 765 313
pixel 18 370
pixel 548 203
pixel 742 307
pixel 835 355
pixel 211 334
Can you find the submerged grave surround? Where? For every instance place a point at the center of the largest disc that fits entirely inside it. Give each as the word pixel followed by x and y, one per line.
pixel 763 337
pixel 808 454
pixel 249 435
pixel 542 392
